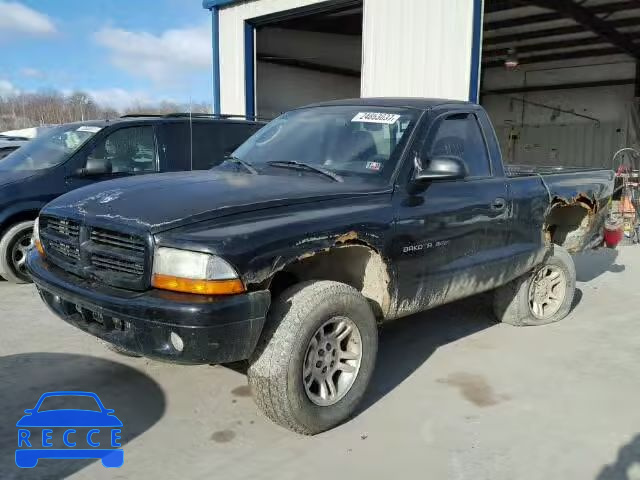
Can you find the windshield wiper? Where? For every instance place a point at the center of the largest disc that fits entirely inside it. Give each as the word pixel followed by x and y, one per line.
pixel 247 166
pixel 305 166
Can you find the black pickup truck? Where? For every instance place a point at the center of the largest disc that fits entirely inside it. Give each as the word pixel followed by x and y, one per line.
pixel 332 219
pixel 69 156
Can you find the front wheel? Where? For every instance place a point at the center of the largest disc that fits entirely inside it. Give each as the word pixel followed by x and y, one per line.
pixel 315 357
pixel 543 296
pixel 14 246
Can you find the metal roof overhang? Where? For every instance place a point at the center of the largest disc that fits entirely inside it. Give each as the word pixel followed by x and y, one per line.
pixel 543 31
pixel 209 4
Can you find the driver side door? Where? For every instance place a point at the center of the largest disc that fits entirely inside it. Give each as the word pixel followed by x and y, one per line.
pixel 449 234
pixel 128 150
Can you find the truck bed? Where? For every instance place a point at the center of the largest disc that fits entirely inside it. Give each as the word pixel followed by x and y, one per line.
pixel 568 184
pixel 577 199
pixel 530 170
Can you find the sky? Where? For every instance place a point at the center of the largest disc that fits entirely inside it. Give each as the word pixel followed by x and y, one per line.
pixel 119 51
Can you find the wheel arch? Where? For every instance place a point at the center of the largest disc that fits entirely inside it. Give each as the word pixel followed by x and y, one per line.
pixel 16 216
pixel 353 263
pixel 571 223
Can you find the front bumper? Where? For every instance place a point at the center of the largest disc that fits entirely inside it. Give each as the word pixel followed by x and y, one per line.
pixel 211 329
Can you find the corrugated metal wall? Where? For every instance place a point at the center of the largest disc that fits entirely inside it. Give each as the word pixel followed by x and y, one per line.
pixel 556 130
pixel 418 48
pixel 577 145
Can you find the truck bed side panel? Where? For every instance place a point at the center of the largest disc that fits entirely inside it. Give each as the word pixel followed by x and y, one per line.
pixel 578 207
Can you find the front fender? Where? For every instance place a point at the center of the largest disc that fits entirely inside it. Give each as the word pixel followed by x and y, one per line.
pixel 261 243
pixel 18 209
pixel 264 265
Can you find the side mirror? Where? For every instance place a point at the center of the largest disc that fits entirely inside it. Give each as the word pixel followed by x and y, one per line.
pixel 440 168
pixel 95 166
pixel 29 410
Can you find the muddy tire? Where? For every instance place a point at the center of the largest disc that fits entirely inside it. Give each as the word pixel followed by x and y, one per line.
pixel 13 252
pixel 315 357
pixel 542 296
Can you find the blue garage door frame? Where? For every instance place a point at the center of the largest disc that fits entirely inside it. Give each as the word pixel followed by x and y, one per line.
pixel 476 51
pixel 249 69
pixel 250 54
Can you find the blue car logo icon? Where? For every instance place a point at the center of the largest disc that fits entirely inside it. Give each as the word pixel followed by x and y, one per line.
pixel 83 433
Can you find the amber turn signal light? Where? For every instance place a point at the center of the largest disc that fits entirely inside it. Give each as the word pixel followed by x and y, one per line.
pixel 199 287
pixel 39 248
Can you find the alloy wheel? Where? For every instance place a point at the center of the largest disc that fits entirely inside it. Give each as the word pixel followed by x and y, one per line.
pixel 332 361
pixel 547 291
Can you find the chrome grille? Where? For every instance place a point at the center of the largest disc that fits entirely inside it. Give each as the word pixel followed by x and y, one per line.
pixel 113 258
pixel 103 262
pixel 69 251
pixel 63 227
pixel 115 254
pixel 117 240
pixel 61 239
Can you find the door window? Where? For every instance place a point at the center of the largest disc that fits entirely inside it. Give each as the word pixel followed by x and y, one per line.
pixel 130 150
pixel 459 135
pixel 213 141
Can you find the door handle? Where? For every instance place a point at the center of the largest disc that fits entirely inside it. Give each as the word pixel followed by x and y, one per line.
pixel 499 204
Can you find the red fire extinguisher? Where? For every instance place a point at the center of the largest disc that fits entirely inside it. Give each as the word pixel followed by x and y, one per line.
pixel 613 232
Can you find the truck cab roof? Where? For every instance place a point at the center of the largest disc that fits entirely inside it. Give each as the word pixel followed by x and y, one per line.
pixel 393 102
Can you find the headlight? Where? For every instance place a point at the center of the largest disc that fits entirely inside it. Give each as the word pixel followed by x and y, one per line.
pixel 36 237
pixel 194 272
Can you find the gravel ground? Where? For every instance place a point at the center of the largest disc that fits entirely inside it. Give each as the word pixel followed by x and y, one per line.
pixel 454 396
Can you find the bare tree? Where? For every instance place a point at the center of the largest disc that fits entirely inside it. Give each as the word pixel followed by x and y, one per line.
pixel 52 107
pixel 165 107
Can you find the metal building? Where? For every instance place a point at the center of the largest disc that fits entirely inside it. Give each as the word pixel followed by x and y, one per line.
pixel 272 55
pixel 568 97
pixel 558 77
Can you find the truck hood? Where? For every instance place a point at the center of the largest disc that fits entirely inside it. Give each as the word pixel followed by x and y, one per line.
pixel 161 202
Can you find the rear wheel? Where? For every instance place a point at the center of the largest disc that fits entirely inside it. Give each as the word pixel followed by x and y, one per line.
pixel 14 246
pixel 315 357
pixel 542 296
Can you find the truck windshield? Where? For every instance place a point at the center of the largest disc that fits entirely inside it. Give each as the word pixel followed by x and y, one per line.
pixel 351 141
pixel 51 149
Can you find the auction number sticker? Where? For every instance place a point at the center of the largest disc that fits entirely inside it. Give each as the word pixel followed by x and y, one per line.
pixel 88 128
pixel 376 117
